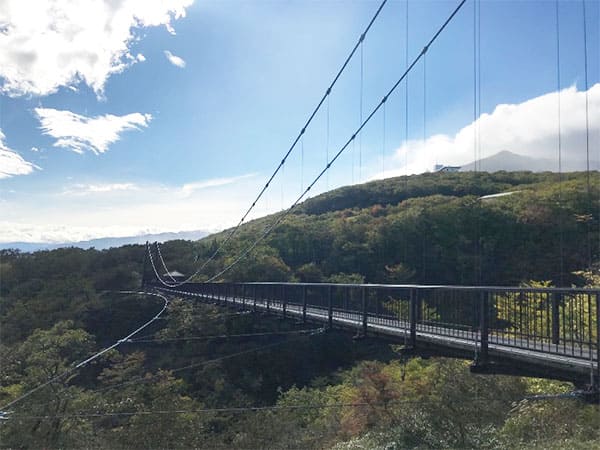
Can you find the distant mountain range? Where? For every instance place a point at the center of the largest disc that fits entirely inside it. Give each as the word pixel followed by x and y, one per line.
pixel 510 162
pixel 504 160
pixel 104 243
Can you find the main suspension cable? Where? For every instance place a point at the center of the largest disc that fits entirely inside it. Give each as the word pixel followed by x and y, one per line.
pixel 284 214
pixel 287 154
pixel 168 273
pixel 147 379
pixel 238 409
pixel 217 336
pixel 75 366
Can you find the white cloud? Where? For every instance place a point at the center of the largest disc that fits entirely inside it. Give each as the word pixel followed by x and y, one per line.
pixel 85 189
pixel 80 133
pixel 175 60
pixel 48 44
pixel 189 188
pixel 529 128
pixel 11 163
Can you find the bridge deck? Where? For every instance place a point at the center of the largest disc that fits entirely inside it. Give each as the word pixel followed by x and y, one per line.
pixel 499 346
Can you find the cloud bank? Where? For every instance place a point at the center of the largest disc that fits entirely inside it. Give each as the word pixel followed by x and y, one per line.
pixel 11 163
pixel 529 128
pixel 88 210
pixel 48 44
pixel 175 60
pixel 79 133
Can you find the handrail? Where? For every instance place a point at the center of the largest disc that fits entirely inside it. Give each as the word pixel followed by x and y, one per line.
pixel 586 290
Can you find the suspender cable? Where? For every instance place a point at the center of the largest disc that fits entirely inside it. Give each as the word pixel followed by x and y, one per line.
pixel 405 240
pixel 383 146
pixel 302 164
pixel 476 135
pixel 406 99
pixel 362 76
pixel 282 216
pixel 327 145
pixel 424 99
pixel 282 184
pixel 475 85
pixel 479 81
pixel 289 151
pixel 559 149
pixel 587 137
pixel 353 153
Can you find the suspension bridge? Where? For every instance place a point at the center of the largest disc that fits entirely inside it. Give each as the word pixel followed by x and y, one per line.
pixel 545 332
pixel 548 332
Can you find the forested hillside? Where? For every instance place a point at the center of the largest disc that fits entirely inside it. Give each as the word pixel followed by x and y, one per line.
pixel 439 228
pixel 206 377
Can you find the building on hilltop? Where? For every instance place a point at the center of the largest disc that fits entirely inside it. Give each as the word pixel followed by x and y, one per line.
pixel 443 168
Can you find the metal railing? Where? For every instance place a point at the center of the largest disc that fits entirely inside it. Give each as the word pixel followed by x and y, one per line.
pixel 560 321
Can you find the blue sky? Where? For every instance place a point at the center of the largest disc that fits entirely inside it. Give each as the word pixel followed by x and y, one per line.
pixel 137 116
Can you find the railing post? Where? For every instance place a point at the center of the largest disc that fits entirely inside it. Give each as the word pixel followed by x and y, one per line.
pixel 283 300
pixel 556 300
pixel 364 310
pixel 254 299
pixel 304 303
pixel 244 296
pixel 414 293
pixel 329 306
pixel 484 326
pixel 268 300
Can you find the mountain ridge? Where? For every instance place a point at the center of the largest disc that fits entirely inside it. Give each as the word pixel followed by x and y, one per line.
pixel 508 161
pixel 106 242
